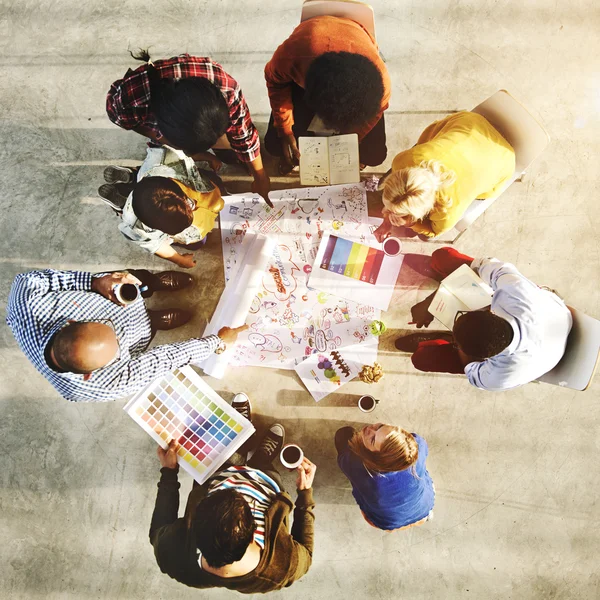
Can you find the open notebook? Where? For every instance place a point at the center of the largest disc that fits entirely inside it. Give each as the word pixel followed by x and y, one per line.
pixel 329 160
pixel 462 290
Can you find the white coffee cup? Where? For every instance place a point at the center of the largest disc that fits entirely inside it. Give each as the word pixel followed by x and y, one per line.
pixel 127 293
pixel 392 246
pixel 291 456
pixel 367 403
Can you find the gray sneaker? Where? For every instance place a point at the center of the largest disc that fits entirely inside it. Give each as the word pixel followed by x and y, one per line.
pixel 241 403
pixel 111 196
pixel 114 174
pixel 270 446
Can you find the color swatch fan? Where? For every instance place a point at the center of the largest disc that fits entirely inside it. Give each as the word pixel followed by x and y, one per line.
pixel 181 406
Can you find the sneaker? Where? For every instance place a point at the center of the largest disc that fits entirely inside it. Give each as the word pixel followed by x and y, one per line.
pixel 118 175
pixel 271 445
pixel 241 403
pixel 110 194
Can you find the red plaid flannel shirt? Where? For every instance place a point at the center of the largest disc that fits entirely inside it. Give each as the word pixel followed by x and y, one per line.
pixel 128 100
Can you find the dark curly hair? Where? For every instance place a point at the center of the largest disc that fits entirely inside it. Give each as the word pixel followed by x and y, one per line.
pixel 344 89
pixel 224 527
pixel 482 334
pixel 160 203
pixel 191 113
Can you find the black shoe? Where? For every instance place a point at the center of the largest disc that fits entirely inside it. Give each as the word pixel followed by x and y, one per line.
pixel 410 343
pixel 270 446
pixel 171 281
pixel 110 194
pixel 114 174
pixel 241 403
pixel 169 318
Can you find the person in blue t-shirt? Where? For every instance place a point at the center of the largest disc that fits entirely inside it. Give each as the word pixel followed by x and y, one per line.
pixel 386 467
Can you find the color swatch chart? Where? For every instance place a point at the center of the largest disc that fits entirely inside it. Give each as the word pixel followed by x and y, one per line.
pixel 181 406
pixel 353 260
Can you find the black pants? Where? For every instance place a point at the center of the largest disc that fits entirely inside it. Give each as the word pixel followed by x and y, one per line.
pixel 372 148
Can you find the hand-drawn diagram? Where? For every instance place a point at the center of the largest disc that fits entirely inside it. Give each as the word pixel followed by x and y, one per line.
pixel 288 321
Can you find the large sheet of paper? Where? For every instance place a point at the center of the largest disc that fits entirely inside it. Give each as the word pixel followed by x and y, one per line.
pixel 289 321
pixel 350 269
pixel 234 304
pixel 462 290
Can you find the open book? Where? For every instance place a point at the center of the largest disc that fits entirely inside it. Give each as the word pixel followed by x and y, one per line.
pixel 329 160
pixel 462 290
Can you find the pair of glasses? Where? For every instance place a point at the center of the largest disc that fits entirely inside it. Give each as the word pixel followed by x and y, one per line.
pixel 459 314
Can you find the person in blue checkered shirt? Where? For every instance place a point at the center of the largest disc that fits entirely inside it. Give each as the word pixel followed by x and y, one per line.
pixel 90 346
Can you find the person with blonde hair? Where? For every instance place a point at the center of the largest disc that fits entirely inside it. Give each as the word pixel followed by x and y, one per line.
pixel 386 467
pixel 457 160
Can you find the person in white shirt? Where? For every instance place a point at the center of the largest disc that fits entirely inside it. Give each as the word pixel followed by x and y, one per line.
pixel 519 338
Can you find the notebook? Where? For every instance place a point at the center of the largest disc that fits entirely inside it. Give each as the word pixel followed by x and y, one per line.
pixel 329 160
pixel 462 290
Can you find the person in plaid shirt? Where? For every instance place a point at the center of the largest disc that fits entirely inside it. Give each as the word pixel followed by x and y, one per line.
pixel 189 103
pixel 73 329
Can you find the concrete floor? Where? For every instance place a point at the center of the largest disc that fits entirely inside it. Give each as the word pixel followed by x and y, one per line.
pixel 517 474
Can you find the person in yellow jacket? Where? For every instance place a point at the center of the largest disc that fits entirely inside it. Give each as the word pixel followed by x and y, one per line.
pixel 457 160
pixel 173 202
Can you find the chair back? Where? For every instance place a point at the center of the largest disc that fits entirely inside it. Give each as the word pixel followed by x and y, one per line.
pixel 578 364
pixel 360 12
pixel 518 127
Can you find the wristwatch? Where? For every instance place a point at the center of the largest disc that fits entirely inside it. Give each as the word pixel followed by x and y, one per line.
pixel 221 347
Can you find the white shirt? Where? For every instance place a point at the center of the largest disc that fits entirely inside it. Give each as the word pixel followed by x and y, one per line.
pixel 541 323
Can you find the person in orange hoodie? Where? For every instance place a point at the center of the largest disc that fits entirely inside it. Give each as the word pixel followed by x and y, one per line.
pixel 328 68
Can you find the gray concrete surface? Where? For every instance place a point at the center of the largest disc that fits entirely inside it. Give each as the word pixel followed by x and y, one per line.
pixel 517 474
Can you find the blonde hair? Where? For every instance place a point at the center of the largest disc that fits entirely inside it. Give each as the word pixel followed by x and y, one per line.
pixel 398 451
pixel 415 191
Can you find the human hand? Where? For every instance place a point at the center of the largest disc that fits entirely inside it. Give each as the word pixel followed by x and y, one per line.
pixel 229 335
pixel 105 285
pixel 262 185
pixel 306 474
pixel 186 261
pixel 421 317
pixel 213 162
pixel 290 148
pixel 383 231
pixel 168 457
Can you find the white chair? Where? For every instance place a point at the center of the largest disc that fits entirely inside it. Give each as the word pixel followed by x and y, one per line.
pixel 348 9
pixel 578 364
pixel 521 131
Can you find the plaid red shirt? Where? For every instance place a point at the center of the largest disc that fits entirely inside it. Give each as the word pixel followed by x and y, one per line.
pixel 128 100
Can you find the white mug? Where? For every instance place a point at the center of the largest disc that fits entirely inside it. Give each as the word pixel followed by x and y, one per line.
pixel 127 293
pixel 367 403
pixel 291 456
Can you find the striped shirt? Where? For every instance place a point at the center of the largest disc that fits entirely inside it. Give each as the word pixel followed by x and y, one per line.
pixel 42 302
pixel 258 490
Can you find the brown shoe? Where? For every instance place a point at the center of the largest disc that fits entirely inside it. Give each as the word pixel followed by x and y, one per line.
pixel 410 343
pixel 171 281
pixel 169 318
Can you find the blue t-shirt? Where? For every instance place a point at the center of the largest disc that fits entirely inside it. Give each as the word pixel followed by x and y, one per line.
pixel 390 500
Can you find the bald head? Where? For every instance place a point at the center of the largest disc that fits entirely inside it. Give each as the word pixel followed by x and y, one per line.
pixel 84 347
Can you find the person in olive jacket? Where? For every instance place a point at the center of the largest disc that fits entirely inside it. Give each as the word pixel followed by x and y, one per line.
pixel 235 532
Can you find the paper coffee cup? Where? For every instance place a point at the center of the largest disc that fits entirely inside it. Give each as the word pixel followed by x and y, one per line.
pixel 291 456
pixel 367 403
pixel 392 246
pixel 127 293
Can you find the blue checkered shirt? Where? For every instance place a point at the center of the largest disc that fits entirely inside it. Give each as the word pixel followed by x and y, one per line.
pixel 41 302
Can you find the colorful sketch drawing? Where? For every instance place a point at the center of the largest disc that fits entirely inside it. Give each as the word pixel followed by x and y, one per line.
pixel 286 308
pixel 181 406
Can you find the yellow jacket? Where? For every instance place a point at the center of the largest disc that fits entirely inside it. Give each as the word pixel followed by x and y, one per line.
pixel 467 144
